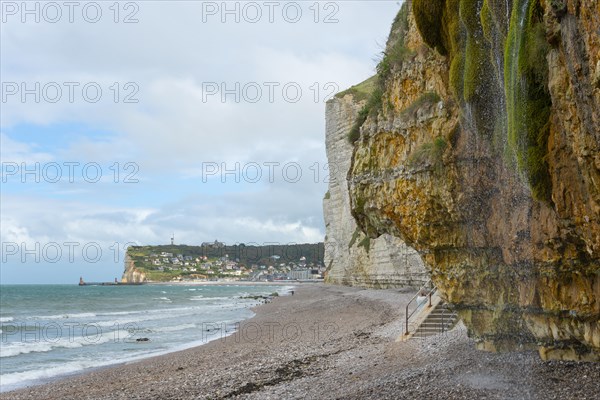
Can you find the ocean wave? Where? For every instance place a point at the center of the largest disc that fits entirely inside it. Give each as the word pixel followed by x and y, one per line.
pixel 174 328
pixel 63 316
pixel 284 290
pixel 21 379
pixel 107 314
pixel 44 346
pixel 168 300
pixel 6 319
pixel 202 298
pixel 145 317
pixel 120 319
pixel 17 380
pixel 144 311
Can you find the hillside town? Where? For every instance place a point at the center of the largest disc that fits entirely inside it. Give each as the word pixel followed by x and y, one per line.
pixel 169 266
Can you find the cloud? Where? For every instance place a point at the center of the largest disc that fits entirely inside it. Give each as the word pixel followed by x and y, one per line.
pixel 170 62
pixel 18 152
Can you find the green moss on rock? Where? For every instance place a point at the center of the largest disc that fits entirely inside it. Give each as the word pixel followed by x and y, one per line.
pixel 371 108
pixel 528 98
pixel 396 51
pixel 477 65
pixel 428 16
pixel 429 153
pixel 365 243
pixel 487 21
pixel 355 236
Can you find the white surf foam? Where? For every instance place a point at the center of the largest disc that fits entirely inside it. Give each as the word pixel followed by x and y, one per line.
pixel 64 316
pixel 42 346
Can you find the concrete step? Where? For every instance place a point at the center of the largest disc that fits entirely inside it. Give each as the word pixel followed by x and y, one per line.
pixel 441 316
pixel 438 321
pixel 443 309
pixel 421 335
pixel 435 323
pixel 430 324
pixel 437 328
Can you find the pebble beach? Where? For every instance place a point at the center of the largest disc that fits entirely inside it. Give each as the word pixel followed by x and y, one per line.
pixel 331 342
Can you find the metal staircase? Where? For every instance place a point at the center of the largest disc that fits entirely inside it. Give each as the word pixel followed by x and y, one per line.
pixel 440 320
pixel 427 314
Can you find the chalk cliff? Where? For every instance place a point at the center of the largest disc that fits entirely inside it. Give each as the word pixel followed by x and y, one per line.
pixel 480 148
pixel 131 274
pixel 351 256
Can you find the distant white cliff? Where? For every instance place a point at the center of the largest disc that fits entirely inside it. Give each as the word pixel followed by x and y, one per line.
pixel 351 257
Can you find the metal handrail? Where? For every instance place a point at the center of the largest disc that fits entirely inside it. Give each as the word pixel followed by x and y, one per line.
pixel 429 294
pixel 443 321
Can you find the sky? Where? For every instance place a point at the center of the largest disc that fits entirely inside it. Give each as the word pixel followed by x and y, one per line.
pixel 128 122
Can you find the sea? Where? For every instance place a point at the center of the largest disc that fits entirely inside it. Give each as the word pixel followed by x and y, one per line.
pixel 49 331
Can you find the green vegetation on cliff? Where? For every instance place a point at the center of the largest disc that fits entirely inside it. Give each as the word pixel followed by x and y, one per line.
pixel 396 51
pixel 429 153
pixel 513 104
pixel 521 272
pixel 355 236
pixel 392 58
pixel 425 99
pixel 372 106
pixel 362 91
pixel 428 15
pixel 528 98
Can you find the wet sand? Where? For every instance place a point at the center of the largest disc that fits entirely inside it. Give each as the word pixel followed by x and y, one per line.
pixel 331 342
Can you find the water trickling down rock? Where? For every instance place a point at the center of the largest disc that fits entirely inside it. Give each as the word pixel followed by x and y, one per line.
pixel 484 155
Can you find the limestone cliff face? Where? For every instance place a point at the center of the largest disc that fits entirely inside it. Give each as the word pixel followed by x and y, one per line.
pixel 132 274
pixel 484 155
pixel 352 257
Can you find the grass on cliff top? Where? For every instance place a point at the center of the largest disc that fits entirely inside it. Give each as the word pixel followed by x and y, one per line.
pixel 362 91
pixel 392 58
pixel 395 52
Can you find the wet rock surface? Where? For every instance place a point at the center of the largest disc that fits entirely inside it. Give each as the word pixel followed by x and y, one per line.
pixel 509 225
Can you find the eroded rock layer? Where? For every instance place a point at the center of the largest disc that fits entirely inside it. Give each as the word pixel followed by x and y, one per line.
pixel 131 274
pixel 484 155
pixel 352 257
